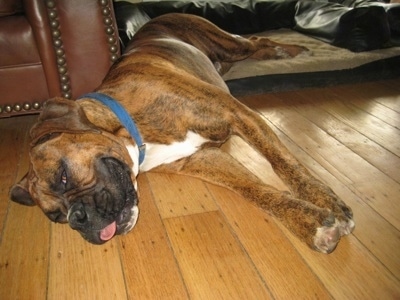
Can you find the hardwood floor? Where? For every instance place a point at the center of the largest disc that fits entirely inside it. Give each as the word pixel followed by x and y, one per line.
pixel 198 241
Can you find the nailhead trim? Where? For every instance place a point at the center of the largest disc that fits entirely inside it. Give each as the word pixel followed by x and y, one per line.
pixel 18 107
pixel 109 30
pixel 62 65
pixel 59 49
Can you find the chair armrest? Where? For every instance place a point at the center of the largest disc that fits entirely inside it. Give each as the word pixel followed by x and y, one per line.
pixel 77 42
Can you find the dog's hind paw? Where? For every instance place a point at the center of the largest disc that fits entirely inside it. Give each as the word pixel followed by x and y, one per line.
pixel 292 51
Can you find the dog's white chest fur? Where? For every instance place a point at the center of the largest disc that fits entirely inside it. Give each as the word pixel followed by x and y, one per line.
pixel 158 154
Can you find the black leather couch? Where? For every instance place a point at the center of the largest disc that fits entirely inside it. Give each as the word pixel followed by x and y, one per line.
pixel 357 25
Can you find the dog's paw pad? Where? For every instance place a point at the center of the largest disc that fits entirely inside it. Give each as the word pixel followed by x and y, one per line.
pixel 327 238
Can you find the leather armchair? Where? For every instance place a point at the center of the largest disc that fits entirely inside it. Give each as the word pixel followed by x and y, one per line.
pixel 53 48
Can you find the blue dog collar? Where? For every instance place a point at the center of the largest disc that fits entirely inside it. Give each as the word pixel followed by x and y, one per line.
pixel 123 117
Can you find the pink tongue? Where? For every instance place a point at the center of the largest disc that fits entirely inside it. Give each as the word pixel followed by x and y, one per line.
pixel 108 232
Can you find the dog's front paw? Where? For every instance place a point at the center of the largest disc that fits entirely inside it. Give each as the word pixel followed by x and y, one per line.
pixel 343 214
pixel 322 196
pixel 346 226
pixel 327 236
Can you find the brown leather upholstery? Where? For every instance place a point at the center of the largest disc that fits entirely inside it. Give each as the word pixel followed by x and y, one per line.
pixel 53 48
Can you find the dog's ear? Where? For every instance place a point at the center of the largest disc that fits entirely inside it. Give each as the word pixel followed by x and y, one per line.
pixel 20 192
pixel 60 115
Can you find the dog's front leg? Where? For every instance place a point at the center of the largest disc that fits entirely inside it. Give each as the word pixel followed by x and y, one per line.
pixel 255 131
pixel 314 225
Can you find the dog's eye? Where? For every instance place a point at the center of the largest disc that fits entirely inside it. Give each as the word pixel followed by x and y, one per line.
pixel 56 216
pixel 64 178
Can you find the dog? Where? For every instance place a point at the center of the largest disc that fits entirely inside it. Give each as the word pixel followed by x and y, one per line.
pixel 164 107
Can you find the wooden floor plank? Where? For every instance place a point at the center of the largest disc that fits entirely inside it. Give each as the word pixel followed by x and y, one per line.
pixel 6 182
pixel 24 246
pixel 386 92
pixel 374 108
pixel 24 254
pixel 327 149
pixel 174 199
pixel 373 231
pixel 151 271
pixel 350 260
pixel 79 270
pixel 174 195
pixel 375 154
pixel 369 97
pixel 283 269
pixel 367 124
pixel 213 264
pixel 13 137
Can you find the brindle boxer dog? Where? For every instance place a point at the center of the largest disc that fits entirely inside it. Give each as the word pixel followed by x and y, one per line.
pixel 85 154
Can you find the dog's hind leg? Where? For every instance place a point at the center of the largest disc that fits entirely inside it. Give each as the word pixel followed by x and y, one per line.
pixel 314 225
pixel 220 46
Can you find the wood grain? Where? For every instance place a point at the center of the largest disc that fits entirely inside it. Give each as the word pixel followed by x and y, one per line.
pixel 72 261
pixel 177 196
pixel 272 253
pixel 25 236
pixel 380 231
pixel 335 156
pixel 212 262
pixel 150 268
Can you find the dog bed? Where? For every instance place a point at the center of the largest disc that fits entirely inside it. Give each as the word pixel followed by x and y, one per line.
pixel 328 65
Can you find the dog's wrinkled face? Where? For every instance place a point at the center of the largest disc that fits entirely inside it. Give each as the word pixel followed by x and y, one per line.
pixel 80 180
pixel 83 177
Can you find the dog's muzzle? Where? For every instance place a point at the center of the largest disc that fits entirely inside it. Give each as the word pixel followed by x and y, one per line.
pixel 108 208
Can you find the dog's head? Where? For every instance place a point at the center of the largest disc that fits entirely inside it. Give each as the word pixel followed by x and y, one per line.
pixel 79 174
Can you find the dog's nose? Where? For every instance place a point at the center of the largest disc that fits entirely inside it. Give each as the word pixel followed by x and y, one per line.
pixel 77 216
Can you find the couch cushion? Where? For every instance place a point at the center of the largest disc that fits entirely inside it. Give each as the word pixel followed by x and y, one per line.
pixel 10 7
pixel 17 44
pixel 22 85
pixel 357 29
